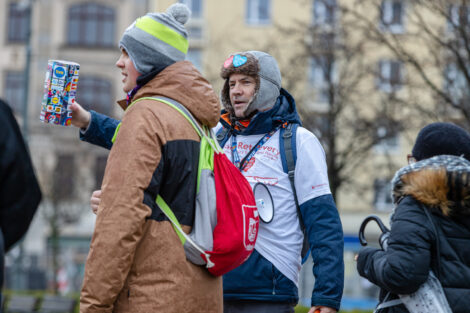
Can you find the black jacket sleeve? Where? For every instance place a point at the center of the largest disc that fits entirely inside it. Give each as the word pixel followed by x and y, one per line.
pixel 19 190
pixel 406 263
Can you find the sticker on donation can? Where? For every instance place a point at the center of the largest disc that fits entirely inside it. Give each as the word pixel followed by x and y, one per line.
pixel 59 92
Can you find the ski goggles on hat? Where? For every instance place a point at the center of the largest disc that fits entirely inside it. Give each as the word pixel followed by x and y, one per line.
pixel 237 60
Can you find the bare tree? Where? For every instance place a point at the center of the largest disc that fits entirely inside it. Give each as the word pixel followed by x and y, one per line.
pixel 434 44
pixel 342 102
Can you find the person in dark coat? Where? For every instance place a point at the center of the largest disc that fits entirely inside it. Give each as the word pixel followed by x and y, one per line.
pixel 19 190
pixel 439 182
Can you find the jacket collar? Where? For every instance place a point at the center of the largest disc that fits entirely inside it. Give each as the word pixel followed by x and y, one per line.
pixel 440 182
pixel 183 83
pixel 141 81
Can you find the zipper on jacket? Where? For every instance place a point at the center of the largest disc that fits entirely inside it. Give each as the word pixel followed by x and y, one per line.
pixel 274 279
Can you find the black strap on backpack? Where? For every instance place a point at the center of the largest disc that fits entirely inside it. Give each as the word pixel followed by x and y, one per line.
pixel 287 139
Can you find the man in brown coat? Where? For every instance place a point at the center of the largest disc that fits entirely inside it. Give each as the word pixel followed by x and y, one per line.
pixel 136 261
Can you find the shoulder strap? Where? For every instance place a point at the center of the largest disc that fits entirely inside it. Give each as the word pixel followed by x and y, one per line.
pixel 436 234
pixel 386 304
pixel 203 132
pixel 288 135
pixel 288 144
pixel 159 200
pixel 175 105
pixel 181 109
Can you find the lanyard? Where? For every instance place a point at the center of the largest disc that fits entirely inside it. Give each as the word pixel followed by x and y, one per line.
pixel 236 158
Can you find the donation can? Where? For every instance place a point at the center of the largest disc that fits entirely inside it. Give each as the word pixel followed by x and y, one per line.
pixel 60 88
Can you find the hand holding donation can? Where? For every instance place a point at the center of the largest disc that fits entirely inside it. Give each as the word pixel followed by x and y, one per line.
pixel 60 88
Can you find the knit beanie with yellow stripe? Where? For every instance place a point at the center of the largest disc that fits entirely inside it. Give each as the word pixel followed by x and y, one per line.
pixel 157 40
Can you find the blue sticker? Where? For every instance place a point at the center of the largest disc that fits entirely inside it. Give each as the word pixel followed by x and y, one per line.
pixel 239 60
pixel 59 72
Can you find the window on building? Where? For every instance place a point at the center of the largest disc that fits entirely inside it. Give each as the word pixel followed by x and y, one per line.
pixel 195 57
pixel 388 140
pixel 383 195
pixel 195 6
pixel 392 15
pixel 18 23
pixel 95 93
pixel 321 77
pixel 391 75
pixel 459 15
pixel 324 12
pixel 64 177
pixel 258 12
pixel 91 25
pixel 100 166
pixel 15 90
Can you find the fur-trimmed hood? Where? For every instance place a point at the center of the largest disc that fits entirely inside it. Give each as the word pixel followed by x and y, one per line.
pixel 441 182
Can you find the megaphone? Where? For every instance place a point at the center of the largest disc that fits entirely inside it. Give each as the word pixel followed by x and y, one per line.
pixel 264 202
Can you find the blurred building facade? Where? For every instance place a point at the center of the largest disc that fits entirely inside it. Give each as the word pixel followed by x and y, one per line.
pixel 303 35
pixel 86 32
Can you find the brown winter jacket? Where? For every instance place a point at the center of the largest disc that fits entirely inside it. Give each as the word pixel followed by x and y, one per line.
pixel 136 261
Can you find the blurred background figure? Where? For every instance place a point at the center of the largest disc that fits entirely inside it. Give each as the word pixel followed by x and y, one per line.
pixel 19 190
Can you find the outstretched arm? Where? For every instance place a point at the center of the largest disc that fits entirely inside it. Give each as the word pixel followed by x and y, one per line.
pixel 80 117
pixel 95 128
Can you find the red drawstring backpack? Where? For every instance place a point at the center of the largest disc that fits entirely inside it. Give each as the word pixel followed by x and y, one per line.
pixel 226 219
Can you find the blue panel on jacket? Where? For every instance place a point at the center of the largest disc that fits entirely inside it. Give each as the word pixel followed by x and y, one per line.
pixel 325 236
pixel 258 279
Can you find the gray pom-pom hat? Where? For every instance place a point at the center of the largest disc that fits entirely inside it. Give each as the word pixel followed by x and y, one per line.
pixel 157 40
pixel 263 67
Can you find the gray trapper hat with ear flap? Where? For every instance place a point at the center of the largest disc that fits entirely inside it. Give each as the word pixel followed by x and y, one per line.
pixel 263 67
